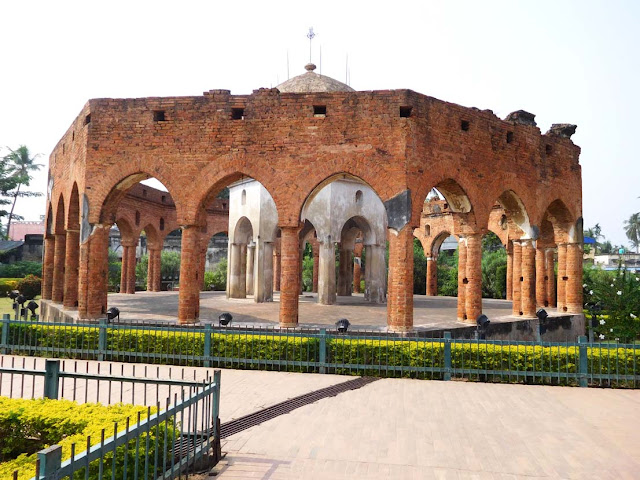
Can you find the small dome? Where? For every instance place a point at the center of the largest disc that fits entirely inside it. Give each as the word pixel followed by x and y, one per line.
pixel 311 82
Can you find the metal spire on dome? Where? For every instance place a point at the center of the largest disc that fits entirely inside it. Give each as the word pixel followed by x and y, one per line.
pixel 310 36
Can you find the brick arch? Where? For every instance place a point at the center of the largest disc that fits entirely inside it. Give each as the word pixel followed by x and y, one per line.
pixel 73 215
pixel 562 222
pixel 458 194
pixel 517 215
pixel 59 219
pixel 433 247
pixel 127 232
pixel 105 199
pixel 153 236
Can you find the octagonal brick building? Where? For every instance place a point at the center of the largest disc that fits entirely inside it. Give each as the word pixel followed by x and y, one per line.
pixel 500 175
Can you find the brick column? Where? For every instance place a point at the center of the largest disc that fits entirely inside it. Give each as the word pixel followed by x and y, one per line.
pixel 71 269
pixel 345 275
pixel 57 292
pixel 509 270
pixel 562 277
pixel 574 278
pixel 276 270
pixel 357 273
pixel 462 279
pixel 400 292
pixel 156 256
pixel 550 277
pixel 541 283
pixel 516 277
pixel 93 274
pixel 47 267
pixel 131 270
pixel 432 276
pixel 124 268
pixel 190 281
pixel 202 262
pixel 528 292
pixel 473 290
pixel 289 276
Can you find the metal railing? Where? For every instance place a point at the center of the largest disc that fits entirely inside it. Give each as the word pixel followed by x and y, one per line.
pixel 353 353
pixel 164 443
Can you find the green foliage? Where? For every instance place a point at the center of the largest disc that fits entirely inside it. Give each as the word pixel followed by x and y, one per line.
pixel 494 273
pixel 30 286
pixel 27 425
pixel 618 293
pixel 419 268
pixel 307 268
pixel 170 264
pixel 142 268
pixel 448 273
pixel 21 269
pixel 217 280
pixel 115 268
pixel 7 285
pixel 632 230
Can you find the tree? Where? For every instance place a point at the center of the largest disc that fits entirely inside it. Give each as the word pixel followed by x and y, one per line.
pixel 7 184
pixel 19 166
pixel 632 230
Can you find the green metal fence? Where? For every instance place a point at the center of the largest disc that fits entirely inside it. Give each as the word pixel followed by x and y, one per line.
pixel 354 353
pixel 165 443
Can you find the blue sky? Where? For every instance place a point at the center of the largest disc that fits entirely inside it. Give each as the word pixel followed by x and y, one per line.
pixel 566 61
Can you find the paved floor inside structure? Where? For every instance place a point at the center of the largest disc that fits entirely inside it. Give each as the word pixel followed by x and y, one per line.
pixel 430 313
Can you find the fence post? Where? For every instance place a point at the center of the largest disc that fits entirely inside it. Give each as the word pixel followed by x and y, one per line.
pixel 5 336
pixel 216 416
pixel 447 356
pixel 207 345
pixel 102 339
pixel 582 361
pixel 50 460
pixel 51 376
pixel 322 357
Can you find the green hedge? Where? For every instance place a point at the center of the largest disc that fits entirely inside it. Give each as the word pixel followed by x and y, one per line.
pixel 20 269
pixel 7 285
pixel 394 357
pixel 28 425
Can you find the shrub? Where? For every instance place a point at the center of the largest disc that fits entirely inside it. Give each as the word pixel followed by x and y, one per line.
pixel 30 286
pixel 217 280
pixel 7 285
pixel 36 423
pixel 21 269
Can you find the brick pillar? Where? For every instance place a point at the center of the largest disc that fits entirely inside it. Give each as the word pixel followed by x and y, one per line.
pixel 93 274
pixel 516 277
pixel 357 273
pixel 202 261
pixel 276 270
pixel 71 269
pixel 155 255
pixel 400 290
pixel 550 277
pixel 562 277
pixel 473 290
pixel 124 268
pixel 462 278
pixel 190 281
pixel 289 276
pixel 528 292
pixel 509 270
pixel 432 276
pixel 57 292
pixel 131 270
pixel 574 278
pixel 47 267
pixel 541 272
pixel 251 261
pixel 345 274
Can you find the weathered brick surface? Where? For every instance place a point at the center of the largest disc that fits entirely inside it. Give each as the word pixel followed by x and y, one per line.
pixel 197 149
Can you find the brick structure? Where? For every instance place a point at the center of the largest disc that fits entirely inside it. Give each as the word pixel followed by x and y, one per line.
pixel 399 142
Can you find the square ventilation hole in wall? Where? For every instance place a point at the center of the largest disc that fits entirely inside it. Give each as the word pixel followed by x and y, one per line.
pixel 87 119
pixel 237 114
pixel 464 125
pixel 548 149
pixel 158 115
pixel 405 112
pixel 319 110
pixel 509 137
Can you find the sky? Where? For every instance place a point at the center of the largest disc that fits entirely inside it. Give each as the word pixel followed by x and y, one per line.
pixel 567 62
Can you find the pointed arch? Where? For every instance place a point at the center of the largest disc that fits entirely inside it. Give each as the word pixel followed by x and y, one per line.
pixel 516 215
pixel 558 224
pixel 73 216
pixel 59 225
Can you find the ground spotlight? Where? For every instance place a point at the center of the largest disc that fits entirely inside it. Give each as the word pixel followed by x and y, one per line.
pixel 21 299
pixel 343 325
pixel 483 321
pixel 112 313
pixel 542 314
pixel 224 319
pixel 32 306
pixel 13 294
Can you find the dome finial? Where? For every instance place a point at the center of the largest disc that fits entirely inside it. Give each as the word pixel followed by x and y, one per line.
pixel 310 67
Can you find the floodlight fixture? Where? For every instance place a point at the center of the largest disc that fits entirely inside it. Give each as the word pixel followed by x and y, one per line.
pixel 343 325
pixel 483 321
pixel 542 314
pixel 224 319
pixel 112 313
pixel 32 306
pixel 21 299
pixel 13 294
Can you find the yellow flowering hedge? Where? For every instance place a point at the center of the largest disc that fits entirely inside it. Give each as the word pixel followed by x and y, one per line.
pixel 31 425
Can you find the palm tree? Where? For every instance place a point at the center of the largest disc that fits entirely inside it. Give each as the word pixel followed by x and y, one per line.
pixel 632 229
pixel 21 164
